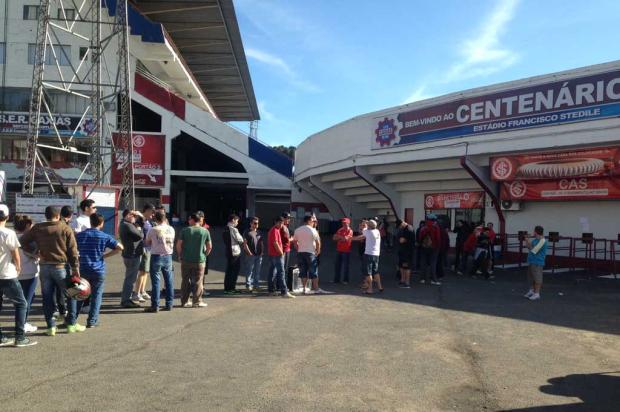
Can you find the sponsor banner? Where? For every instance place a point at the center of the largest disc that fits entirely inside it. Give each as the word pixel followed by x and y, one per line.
pixel 34 205
pixel 454 200
pixel 17 122
pixel 604 161
pixel 577 188
pixel 574 100
pixel 148 160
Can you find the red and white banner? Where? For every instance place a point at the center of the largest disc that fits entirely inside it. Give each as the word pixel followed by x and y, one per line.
pixel 604 161
pixel 572 188
pixel 454 200
pixel 149 159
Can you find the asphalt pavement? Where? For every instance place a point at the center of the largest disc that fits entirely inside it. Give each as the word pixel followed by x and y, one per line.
pixel 467 345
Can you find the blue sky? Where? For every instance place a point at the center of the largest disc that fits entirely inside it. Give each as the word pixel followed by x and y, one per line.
pixel 317 63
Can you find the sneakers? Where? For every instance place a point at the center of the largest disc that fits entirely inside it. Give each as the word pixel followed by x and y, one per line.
pixel 403 285
pixel 130 305
pixel 28 328
pixel 434 282
pixel 535 296
pixel 200 305
pixel 151 309
pixel 423 281
pixel 92 325
pixel 458 272
pixel 345 283
pixel 51 331
pixel 166 309
pixel 229 292
pixel 319 291
pixel 528 294
pixel 288 295
pixel 4 341
pixel 145 296
pixel 75 328
pixel 23 342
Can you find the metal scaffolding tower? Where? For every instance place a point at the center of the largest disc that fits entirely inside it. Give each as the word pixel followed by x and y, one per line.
pixel 98 85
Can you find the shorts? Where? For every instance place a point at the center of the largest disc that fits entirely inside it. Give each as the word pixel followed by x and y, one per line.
pixel 371 263
pixel 308 265
pixel 145 265
pixel 405 261
pixel 535 273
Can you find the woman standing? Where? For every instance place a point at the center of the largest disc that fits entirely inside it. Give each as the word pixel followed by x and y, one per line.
pixel 29 268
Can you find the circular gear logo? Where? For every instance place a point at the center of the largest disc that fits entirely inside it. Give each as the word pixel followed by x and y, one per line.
pixel 386 132
pixel 429 202
pixel 138 140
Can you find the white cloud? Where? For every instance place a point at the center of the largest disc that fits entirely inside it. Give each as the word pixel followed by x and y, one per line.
pixel 264 113
pixel 483 54
pixel 418 94
pixel 278 63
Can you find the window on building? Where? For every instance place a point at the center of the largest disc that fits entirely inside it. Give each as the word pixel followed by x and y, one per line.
pixel 83 51
pixel 2 53
pixel 70 13
pixel 31 12
pixel 63 54
pixel 15 99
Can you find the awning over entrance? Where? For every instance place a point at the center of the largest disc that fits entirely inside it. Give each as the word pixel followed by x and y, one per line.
pixel 207 36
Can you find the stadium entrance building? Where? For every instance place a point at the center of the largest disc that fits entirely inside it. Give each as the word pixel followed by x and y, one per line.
pixel 543 150
pixel 189 77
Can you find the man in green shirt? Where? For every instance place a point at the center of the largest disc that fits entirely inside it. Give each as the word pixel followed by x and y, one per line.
pixel 193 247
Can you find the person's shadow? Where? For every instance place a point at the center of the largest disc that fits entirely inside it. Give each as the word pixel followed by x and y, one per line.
pixel 597 391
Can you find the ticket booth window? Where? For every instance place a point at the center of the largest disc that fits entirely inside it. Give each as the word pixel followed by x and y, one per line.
pixel 469 215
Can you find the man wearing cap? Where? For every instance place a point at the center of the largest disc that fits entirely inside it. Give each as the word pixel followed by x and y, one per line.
pixel 343 250
pixel 10 266
pixel 57 247
pixel 430 242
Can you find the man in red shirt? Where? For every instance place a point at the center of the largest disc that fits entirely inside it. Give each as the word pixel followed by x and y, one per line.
pixel 275 250
pixel 430 242
pixel 343 248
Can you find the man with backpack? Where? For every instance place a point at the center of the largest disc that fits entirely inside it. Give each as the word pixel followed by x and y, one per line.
pixel 430 243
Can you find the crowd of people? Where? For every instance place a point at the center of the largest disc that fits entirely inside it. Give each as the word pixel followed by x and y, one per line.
pixel 63 250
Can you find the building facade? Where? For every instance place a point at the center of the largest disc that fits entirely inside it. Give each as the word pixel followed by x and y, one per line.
pixel 189 78
pixel 543 150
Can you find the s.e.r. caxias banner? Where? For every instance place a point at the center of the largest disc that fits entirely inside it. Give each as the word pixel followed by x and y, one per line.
pixel 573 100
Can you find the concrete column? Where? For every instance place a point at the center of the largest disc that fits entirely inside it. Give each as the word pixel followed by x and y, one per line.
pixel 250 202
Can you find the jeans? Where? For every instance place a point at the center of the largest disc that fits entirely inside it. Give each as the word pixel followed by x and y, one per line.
pixel 161 264
pixel 29 287
pixel 342 267
pixel 276 273
pixel 132 266
pixel 252 266
pixel 308 265
pixel 53 278
pixel 233 267
pixel 429 263
pixel 96 296
pixel 12 289
pixel 192 275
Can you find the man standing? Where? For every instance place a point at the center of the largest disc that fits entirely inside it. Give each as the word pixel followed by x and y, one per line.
pixel 492 237
pixel 82 222
pixel 253 247
pixel 286 238
pixel 56 247
pixel 536 262
pixel 193 247
pixel 233 242
pixel 92 244
pixel 430 242
pixel 372 238
pixel 145 221
pixel 276 259
pixel 133 246
pixel 406 243
pixel 343 251
pixel 160 239
pixel 10 266
pixel 308 248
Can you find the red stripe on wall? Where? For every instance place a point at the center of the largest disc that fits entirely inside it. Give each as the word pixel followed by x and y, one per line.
pixel 160 96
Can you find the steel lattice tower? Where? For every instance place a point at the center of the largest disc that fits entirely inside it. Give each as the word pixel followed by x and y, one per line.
pixel 99 84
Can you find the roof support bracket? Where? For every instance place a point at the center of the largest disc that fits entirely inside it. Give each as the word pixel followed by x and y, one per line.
pixel 392 196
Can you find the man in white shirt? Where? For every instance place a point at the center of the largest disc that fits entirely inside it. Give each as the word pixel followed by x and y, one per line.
pixel 372 237
pixel 161 241
pixel 308 248
pixel 82 222
pixel 10 266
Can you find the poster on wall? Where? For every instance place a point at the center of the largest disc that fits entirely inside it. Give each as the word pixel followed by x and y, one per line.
pixel 571 188
pixel 34 205
pixel 149 160
pixel 604 161
pixel 573 100
pixel 454 200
